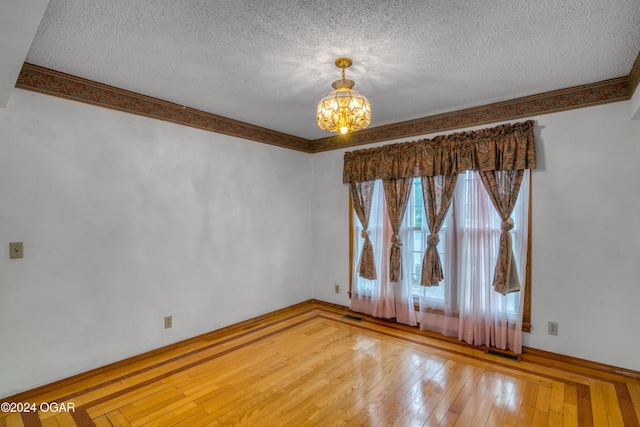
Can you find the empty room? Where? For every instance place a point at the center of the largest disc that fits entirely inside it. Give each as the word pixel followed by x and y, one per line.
pixel 409 213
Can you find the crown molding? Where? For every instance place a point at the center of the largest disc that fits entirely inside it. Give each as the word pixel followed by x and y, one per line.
pixel 51 82
pixel 613 90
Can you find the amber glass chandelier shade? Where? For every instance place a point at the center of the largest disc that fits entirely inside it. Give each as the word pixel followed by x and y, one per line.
pixel 344 110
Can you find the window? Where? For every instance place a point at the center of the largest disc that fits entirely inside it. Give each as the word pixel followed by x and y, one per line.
pixel 469 208
pixel 415 238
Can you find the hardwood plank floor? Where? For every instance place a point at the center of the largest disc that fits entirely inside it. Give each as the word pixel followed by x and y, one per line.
pixel 309 365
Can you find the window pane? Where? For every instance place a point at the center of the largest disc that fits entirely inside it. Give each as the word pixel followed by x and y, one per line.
pixel 418 245
pixel 418 205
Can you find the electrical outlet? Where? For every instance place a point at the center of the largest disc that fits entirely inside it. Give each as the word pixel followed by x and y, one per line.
pixel 168 322
pixel 553 328
pixel 337 288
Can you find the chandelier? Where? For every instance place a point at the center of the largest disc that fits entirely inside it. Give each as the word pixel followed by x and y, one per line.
pixel 344 110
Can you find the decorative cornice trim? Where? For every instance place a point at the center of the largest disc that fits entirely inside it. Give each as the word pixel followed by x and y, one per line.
pixel 634 75
pixel 51 82
pixel 613 90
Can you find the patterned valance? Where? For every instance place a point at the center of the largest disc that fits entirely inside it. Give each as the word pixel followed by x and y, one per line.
pixel 502 148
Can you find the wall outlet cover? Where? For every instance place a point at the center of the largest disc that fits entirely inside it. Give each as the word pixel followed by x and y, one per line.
pixel 15 250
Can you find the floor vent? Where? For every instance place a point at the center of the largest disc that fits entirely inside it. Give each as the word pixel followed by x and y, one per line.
pixel 502 354
pixel 351 317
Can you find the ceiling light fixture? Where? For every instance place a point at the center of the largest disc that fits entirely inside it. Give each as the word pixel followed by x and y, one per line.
pixel 344 110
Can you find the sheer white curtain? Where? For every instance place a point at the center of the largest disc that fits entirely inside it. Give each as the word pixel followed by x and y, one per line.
pixel 468 307
pixel 380 297
pixel 465 304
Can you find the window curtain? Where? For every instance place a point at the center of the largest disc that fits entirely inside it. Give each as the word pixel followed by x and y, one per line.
pixel 503 188
pixel 436 193
pixel 471 310
pixel 361 196
pixel 487 317
pixel 380 297
pixel 508 148
pixel 397 192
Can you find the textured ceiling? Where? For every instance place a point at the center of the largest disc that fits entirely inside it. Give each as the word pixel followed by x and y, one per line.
pixel 268 63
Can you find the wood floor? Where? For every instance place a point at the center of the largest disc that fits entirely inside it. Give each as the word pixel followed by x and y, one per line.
pixel 309 365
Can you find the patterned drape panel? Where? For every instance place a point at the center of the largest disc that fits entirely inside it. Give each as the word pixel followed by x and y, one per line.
pixel 361 195
pixel 397 192
pixel 505 147
pixel 437 192
pixel 503 188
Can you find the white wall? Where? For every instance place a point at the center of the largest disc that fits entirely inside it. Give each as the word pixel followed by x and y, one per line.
pixel 586 234
pixel 126 219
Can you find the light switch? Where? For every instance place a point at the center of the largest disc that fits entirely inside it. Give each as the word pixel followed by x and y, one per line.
pixel 15 250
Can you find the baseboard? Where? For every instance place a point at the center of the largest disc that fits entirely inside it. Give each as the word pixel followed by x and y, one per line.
pixel 532 354
pixel 575 361
pixel 52 386
pixel 528 353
